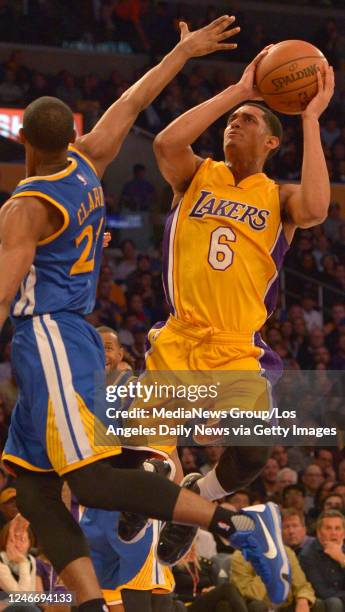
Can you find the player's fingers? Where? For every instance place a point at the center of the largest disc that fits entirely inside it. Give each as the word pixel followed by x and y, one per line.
pixel 225 47
pixel 183 28
pixel 228 33
pixel 320 82
pixel 220 22
pixel 225 24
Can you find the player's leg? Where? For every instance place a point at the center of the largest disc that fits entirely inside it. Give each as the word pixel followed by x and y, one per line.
pixel 39 500
pixel 237 468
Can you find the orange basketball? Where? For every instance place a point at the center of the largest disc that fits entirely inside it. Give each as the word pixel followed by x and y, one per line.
pixel 287 76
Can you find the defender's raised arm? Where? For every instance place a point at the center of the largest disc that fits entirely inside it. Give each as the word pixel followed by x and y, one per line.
pixel 104 141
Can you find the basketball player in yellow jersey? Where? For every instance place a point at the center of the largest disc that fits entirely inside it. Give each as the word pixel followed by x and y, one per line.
pixel 226 236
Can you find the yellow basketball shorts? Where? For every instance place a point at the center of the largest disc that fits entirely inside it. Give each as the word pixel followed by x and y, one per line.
pixel 190 367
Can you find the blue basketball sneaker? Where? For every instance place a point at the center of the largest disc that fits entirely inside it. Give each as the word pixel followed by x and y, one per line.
pixel 264 548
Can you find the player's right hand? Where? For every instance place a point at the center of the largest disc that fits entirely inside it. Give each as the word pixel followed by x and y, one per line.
pixel 208 39
pixel 247 81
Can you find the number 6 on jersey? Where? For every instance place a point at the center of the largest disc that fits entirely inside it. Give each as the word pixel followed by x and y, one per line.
pixel 220 255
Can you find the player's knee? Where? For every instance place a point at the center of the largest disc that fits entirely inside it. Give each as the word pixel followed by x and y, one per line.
pixel 88 483
pixel 252 459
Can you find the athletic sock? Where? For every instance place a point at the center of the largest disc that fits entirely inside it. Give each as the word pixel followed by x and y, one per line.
pixel 225 522
pixel 210 487
pixel 93 605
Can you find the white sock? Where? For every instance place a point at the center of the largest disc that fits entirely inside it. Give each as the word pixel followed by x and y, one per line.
pixel 210 487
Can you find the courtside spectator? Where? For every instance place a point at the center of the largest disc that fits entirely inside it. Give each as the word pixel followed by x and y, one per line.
pixel 294 530
pixel 301 596
pixel 323 560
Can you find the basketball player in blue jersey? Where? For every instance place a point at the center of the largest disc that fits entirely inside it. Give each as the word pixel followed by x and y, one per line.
pixel 51 233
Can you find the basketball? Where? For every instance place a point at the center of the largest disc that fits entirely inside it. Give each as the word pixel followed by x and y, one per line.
pixel 286 77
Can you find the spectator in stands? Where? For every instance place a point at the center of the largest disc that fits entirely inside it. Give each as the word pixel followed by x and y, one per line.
pixel 338 359
pixel 116 293
pixel 125 333
pixel 279 452
pixel 188 460
pixel 323 560
pixel 293 496
pixel 312 317
pixel 128 261
pixel 294 530
pixel 138 347
pixel 332 327
pixel 138 193
pixel 196 586
pixel 301 596
pixel 39 87
pixel 265 487
pixel 338 247
pixel 306 352
pixel 312 478
pixel 321 248
pixel 333 222
pixel 108 311
pixel 341 471
pixel 330 132
pixel 339 487
pixel 285 477
pixel 142 313
pixel 17 567
pixel 323 457
pixel 127 17
pixel 333 501
pixel 11 93
pixel 67 89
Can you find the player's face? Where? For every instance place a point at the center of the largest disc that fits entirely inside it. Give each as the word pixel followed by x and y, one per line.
pixel 113 352
pixel 246 133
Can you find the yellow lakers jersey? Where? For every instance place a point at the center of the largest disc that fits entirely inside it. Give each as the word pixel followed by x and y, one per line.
pixel 223 247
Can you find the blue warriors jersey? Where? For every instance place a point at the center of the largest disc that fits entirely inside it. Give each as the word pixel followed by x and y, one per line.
pixel 64 273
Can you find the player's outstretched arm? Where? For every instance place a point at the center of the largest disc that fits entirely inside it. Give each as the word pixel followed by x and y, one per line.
pixel 104 141
pixel 306 205
pixel 172 146
pixel 22 226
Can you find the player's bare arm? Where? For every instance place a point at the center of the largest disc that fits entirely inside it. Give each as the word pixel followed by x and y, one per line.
pixel 306 205
pixel 23 223
pixel 172 146
pixel 103 143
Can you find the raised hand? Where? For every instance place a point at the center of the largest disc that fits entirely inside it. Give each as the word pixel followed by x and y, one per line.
pixel 208 39
pixel 325 92
pixel 247 81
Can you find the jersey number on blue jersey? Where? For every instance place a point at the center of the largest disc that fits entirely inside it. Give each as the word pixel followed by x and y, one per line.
pixel 83 264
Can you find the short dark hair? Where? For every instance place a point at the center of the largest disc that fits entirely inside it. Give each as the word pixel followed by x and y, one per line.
pixel 329 514
pixel 48 124
pixel 293 487
pixel 271 120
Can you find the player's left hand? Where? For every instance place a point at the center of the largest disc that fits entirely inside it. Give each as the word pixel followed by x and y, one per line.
pixel 325 92
pixel 106 239
pixel 208 39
